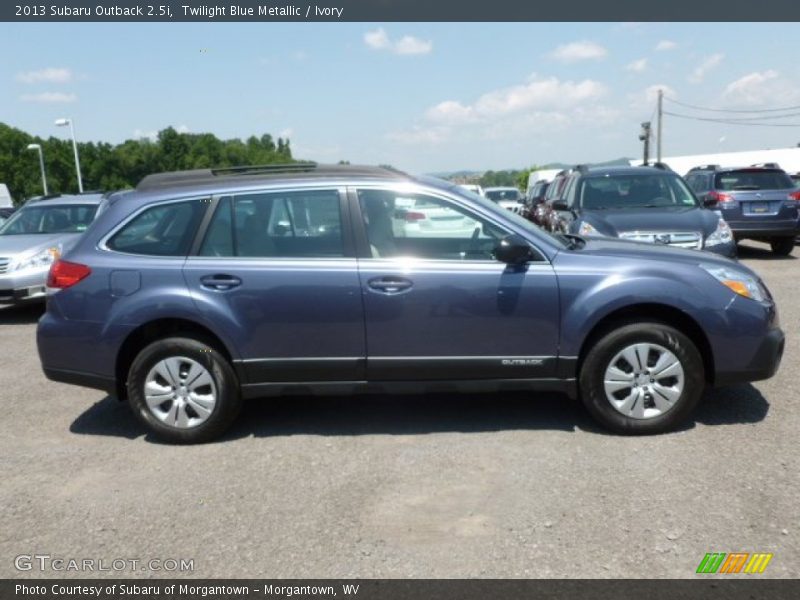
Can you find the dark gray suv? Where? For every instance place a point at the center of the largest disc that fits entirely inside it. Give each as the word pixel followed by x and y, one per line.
pixel 203 288
pixel 759 202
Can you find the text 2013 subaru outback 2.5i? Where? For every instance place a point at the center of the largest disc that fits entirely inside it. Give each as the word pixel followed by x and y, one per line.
pixel 203 288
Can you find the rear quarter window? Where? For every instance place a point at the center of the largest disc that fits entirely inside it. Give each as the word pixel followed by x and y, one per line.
pixel 163 230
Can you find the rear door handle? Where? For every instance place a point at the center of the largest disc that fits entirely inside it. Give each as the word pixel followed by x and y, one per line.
pixel 390 285
pixel 220 282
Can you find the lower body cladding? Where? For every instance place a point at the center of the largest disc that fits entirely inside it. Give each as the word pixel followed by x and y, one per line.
pixel 406 375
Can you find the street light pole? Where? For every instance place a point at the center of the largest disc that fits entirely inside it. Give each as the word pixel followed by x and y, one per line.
pixel 62 123
pixel 41 164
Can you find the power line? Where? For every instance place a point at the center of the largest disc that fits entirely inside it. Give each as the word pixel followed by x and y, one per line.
pixel 731 110
pixel 733 121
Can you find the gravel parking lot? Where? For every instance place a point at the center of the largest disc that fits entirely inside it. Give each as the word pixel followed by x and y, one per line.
pixel 433 486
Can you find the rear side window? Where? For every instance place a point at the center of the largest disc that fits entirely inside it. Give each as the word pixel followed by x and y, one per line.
pixel 753 179
pixel 164 230
pixel 303 224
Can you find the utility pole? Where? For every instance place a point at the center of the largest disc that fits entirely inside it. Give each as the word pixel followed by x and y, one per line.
pixel 660 119
pixel 644 136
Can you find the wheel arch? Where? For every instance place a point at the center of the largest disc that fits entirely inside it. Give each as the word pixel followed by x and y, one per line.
pixel 159 329
pixel 652 313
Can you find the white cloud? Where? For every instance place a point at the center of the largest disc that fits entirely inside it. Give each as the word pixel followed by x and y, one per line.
pixel 665 45
pixel 762 89
pixel 708 63
pixel 637 66
pixel 536 105
pixel 285 133
pixel 182 129
pixel 576 51
pixel 405 46
pixel 48 75
pixel 49 97
pixel 140 134
pixel 646 98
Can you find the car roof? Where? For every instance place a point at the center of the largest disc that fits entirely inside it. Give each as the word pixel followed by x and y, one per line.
pixel 624 170
pixel 204 180
pixel 66 199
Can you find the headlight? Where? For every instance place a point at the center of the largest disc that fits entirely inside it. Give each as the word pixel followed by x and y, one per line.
pixel 587 228
pixel 737 281
pixel 40 260
pixel 722 234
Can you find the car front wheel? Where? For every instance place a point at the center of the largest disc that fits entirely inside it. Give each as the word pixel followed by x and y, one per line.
pixel 642 378
pixel 183 390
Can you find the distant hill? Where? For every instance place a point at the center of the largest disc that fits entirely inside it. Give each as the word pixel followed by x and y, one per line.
pixel 468 175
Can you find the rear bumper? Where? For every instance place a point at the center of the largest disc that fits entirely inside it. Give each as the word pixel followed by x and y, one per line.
pixel 763 364
pixel 89 380
pixel 764 229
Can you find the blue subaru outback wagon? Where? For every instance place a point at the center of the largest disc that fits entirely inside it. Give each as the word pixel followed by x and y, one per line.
pixel 200 289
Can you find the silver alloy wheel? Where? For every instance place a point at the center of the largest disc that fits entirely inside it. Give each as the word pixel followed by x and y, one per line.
pixel 180 392
pixel 644 381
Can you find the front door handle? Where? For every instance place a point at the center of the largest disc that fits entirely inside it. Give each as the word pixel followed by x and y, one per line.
pixel 220 282
pixel 390 285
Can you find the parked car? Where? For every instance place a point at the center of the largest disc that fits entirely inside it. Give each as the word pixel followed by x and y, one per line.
pixel 509 198
pixel 644 204
pixel 555 191
pixel 534 201
pixel 204 288
pixel 796 178
pixel 5 213
pixel 759 202
pixel 472 187
pixel 34 236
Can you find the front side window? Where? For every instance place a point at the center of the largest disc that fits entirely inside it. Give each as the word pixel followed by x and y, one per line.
pixel 422 226
pixel 634 192
pixel 302 224
pixel 50 219
pixel 163 230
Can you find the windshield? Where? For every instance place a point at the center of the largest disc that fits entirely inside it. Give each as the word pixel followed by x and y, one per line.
pixel 498 195
pixel 72 218
pixel 753 179
pixel 645 190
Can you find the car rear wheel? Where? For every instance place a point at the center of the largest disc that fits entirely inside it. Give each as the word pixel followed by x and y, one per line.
pixel 642 378
pixel 183 390
pixel 782 246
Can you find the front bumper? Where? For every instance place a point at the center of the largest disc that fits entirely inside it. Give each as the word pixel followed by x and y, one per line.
pixel 727 249
pixel 763 364
pixel 23 286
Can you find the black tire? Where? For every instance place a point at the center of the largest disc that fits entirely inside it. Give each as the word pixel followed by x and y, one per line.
pixel 228 397
pixel 782 246
pixel 599 357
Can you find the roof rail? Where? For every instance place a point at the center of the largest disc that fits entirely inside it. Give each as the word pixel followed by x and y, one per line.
pixel 767 165
pixel 705 168
pixel 298 167
pixel 660 165
pixel 581 168
pixel 214 176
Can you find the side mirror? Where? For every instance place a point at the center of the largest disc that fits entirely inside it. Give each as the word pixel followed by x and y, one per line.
pixel 513 250
pixel 560 205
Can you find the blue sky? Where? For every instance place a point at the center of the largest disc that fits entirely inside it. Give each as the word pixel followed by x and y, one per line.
pixel 420 96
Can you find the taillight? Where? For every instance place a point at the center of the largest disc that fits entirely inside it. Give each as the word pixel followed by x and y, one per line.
pixel 720 198
pixel 64 274
pixel 411 216
pixel 794 196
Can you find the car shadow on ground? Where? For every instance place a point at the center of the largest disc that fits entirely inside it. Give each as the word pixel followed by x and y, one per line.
pixel 414 415
pixel 762 253
pixel 21 315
